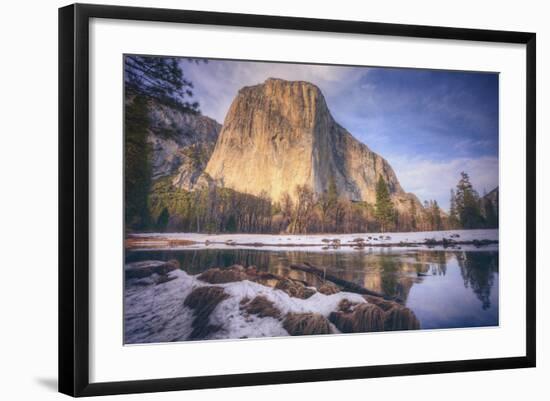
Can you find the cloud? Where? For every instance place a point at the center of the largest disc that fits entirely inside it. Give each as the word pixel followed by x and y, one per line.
pixel 218 81
pixel 430 179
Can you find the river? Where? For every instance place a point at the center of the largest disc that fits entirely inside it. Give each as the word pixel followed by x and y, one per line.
pixel 444 288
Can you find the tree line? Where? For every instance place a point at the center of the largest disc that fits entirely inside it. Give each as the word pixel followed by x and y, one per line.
pixel 217 210
pixel 468 210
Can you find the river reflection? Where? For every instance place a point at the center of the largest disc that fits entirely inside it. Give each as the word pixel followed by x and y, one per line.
pixel 444 288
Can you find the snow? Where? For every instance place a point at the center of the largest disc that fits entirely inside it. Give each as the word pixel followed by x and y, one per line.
pixel 155 313
pixel 314 242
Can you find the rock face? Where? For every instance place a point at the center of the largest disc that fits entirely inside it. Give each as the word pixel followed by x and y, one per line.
pixel 181 144
pixel 492 197
pixel 280 134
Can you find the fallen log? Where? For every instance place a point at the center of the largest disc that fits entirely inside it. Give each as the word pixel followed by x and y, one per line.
pixel 346 285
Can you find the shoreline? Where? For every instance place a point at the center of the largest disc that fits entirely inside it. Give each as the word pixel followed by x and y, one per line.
pixel 244 302
pixel 450 239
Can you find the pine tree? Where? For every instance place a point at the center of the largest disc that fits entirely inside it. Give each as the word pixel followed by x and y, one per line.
pixel 467 204
pixel 137 166
pixel 162 221
pixel 327 203
pixel 436 213
pixel 454 221
pixel 160 79
pixel 147 79
pixel 412 212
pixel 385 212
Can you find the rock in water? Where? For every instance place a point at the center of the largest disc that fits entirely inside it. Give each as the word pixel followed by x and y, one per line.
pixel 280 134
pixel 147 268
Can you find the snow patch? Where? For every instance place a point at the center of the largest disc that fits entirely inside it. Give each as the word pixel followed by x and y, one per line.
pixel 156 313
pixel 314 242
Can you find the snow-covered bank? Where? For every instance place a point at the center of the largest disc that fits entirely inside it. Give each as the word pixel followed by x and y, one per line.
pixel 156 313
pixel 159 308
pixel 316 242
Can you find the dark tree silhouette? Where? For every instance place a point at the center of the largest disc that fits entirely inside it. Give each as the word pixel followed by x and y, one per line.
pixel 385 212
pixel 147 80
pixel 467 204
pixel 137 165
pixel 479 271
pixel 162 221
pixel 160 79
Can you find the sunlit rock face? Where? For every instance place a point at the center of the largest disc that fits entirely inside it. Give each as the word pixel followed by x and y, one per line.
pixel 181 144
pixel 280 134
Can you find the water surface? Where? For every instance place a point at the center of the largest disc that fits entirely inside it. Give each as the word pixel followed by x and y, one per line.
pixel 445 289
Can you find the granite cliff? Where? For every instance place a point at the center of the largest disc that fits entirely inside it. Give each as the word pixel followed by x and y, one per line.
pixel 181 144
pixel 281 134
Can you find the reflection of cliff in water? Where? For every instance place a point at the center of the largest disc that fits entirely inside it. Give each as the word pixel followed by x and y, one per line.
pixel 395 274
pixel 478 272
pixel 388 272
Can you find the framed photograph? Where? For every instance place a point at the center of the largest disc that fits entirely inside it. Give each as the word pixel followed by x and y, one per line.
pixel 250 199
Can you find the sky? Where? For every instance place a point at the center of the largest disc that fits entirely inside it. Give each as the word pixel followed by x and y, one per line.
pixel 430 125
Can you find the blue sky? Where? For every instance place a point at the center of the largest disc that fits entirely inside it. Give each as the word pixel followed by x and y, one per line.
pixel 430 125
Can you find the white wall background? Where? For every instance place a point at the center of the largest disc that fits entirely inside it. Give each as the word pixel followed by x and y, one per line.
pixel 28 199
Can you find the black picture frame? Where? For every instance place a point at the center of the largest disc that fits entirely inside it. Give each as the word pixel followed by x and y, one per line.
pixel 74 198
